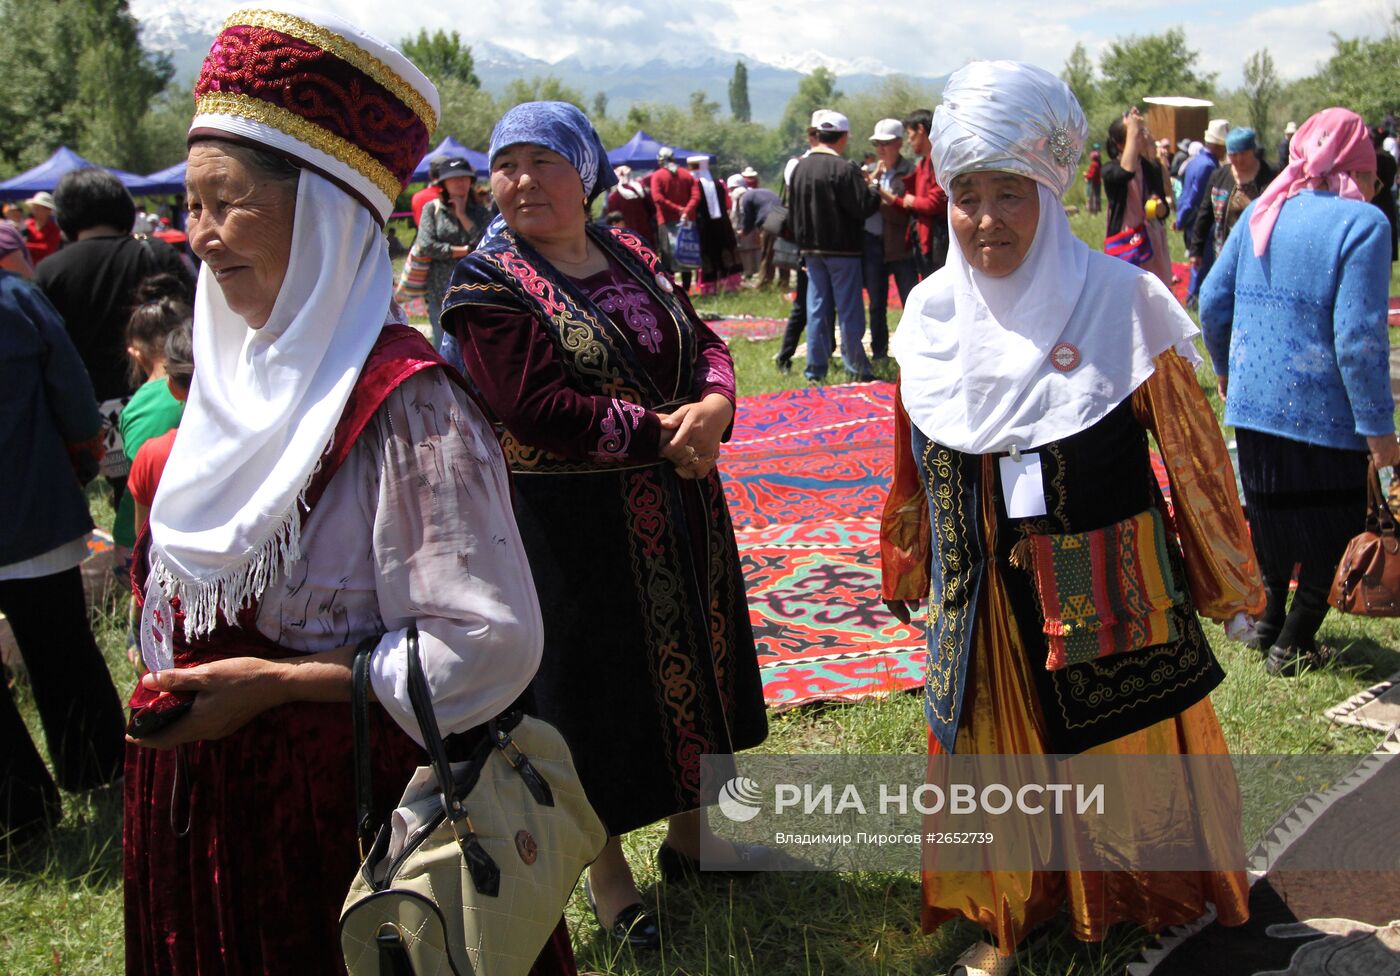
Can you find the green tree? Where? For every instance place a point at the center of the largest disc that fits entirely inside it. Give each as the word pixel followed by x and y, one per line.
pixel 600 106
pixel 161 142
pixel 442 57
pixel 893 98
pixel 73 72
pixel 1361 74
pixel 468 114
pixel 814 91
pixel 1079 75
pixel 701 108
pixel 739 93
pixel 1158 64
pixel 1261 90
pixel 540 89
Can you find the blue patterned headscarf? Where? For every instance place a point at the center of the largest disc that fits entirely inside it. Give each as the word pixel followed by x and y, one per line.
pixel 566 130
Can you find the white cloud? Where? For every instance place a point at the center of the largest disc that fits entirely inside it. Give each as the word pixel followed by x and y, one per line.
pixel 923 39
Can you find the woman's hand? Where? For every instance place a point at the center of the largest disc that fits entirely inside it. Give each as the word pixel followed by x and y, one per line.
pixel 231 693
pixel 1222 386
pixel 1385 451
pixel 903 610
pixel 460 251
pixel 696 431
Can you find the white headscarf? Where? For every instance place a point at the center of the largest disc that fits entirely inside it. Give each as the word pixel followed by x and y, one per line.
pixel 977 354
pixel 262 408
pixel 707 185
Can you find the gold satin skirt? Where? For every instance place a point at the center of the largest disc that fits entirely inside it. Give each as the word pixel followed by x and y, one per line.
pixel 1001 717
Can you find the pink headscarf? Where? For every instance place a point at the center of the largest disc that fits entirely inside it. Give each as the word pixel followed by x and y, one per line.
pixel 1323 154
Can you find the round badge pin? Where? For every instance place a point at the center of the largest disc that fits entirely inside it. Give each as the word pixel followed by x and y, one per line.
pixel 1064 357
pixel 663 281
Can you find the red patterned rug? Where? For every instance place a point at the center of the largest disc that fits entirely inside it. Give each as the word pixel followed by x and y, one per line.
pixel 810 454
pixel 752 328
pixel 822 632
pixel 806 475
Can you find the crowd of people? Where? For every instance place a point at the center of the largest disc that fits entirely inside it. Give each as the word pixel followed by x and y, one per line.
pixel 299 476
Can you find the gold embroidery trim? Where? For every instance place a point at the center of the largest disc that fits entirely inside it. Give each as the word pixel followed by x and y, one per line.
pixel 248 107
pixel 944 492
pixel 334 43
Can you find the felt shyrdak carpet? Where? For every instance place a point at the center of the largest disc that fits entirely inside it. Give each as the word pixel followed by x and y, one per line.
pixel 814 600
pixel 806 474
pixel 811 454
pixel 752 328
pixel 1307 919
pixel 1378 707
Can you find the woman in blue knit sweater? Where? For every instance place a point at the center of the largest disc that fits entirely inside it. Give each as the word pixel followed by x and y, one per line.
pixel 1294 316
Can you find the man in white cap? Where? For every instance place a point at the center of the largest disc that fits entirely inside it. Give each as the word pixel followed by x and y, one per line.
pixel 41 233
pixel 829 204
pixel 1194 179
pixel 887 250
pixel 797 317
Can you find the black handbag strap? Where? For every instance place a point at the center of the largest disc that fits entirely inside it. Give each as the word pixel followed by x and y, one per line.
pixel 359 718
pixel 486 875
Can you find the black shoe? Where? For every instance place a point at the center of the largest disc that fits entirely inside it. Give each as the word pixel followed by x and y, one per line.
pixel 634 926
pixel 1260 645
pixel 676 867
pixel 783 364
pixel 1292 661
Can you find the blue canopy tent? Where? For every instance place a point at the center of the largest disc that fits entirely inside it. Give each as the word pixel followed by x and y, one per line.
pixel 639 152
pixel 46 175
pixel 450 147
pixel 169 180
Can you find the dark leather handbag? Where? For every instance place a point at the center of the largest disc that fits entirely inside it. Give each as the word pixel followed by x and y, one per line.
pixel 1368 577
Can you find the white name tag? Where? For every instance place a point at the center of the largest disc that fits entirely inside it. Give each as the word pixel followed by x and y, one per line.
pixel 1021 487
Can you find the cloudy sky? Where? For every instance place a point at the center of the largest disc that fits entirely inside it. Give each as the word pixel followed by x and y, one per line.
pixel 916 38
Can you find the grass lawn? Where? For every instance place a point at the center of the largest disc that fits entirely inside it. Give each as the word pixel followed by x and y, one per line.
pixel 61 902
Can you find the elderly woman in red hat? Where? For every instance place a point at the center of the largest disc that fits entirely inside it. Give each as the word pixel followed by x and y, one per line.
pixel 332 487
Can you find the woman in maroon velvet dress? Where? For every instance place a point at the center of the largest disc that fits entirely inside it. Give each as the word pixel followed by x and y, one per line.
pixel 332 486
pixel 615 398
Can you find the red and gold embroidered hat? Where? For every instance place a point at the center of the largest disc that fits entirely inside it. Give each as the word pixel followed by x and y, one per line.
pixel 318 89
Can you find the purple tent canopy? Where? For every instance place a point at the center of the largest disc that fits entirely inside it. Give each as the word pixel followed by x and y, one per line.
pixel 639 152
pixel 451 148
pixel 46 175
pixel 168 180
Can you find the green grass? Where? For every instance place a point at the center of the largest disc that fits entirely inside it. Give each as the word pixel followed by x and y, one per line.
pixel 61 901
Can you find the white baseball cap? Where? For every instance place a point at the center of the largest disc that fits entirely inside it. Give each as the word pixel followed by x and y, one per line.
pixel 887 130
pixel 826 120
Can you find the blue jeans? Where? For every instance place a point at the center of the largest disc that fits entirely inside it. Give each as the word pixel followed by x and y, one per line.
pixel 877 273
pixel 835 281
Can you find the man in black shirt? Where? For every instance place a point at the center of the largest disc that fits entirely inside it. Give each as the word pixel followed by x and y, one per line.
pixel 830 202
pixel 92 282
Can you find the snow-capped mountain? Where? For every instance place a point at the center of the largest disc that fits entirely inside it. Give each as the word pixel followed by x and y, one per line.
pixel 665 73
pixel 808 61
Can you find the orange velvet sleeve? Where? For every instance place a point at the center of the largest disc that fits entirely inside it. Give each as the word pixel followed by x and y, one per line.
pixel 904 524
pixel 1221 567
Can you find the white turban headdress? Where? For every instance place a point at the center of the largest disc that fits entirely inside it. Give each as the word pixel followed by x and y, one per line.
pixel 1012 117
